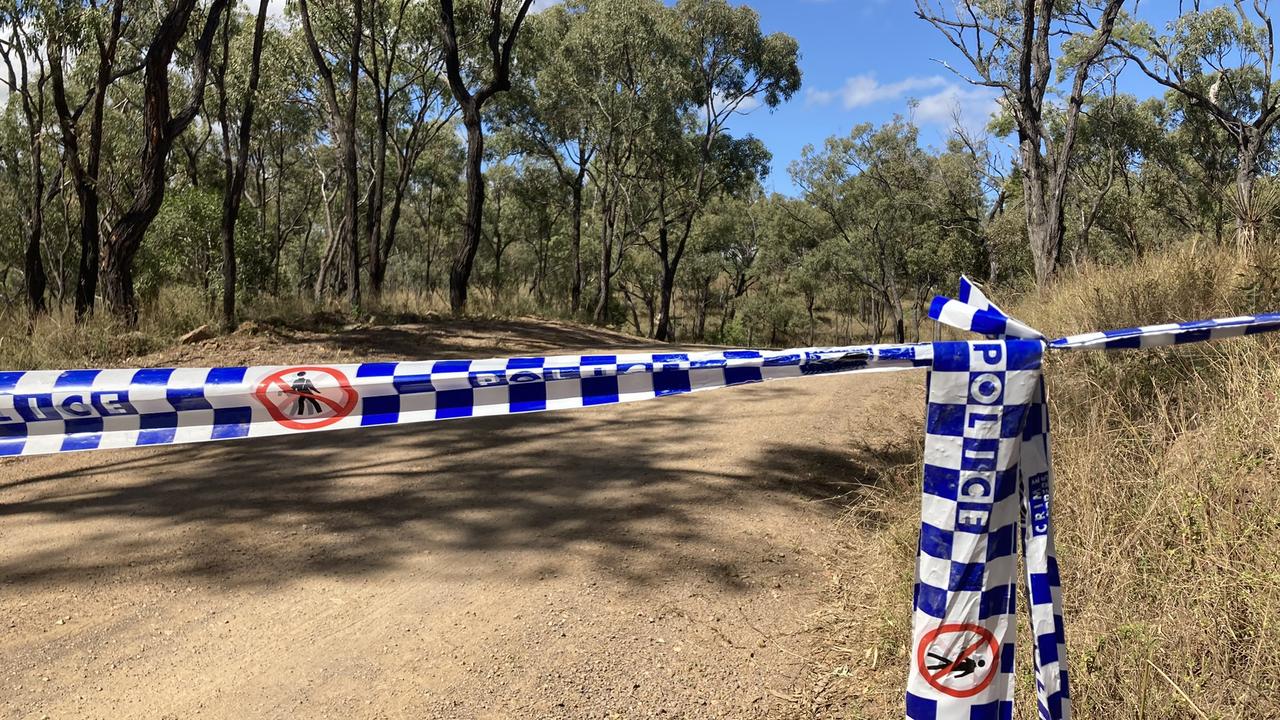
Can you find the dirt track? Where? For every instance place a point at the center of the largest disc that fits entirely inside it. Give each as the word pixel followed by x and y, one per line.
pixel 658 559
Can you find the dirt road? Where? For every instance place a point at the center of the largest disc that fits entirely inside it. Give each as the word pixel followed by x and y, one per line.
pixel 658 559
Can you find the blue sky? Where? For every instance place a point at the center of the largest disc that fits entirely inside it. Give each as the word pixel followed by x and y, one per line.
pixel 865 61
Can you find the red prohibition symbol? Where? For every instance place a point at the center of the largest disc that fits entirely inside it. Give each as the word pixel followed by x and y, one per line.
pixel 307 397
pixel 970 670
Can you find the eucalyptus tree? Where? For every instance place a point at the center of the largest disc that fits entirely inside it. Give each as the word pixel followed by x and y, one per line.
pixel 71 29
pixel 626 66
pixel 502 181
pixel 793 228
pixel 722 254
pixel 685 180
pixel 1011 48
pixel 1222 60
pixel 491 75
pixel 549 113
pixel 235 161
pixel 540 196
pixel 281 185
pixel 161 126
pixel 1190 162
pixel 1110 197
pixel 343 22
pixel 739 247
pixel 405 66
pixel 970 158
pixel 26 77
pixel 874 193
pixel 434 213
pixel 732 66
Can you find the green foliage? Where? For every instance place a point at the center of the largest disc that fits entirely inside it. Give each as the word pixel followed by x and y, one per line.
pixel 182 245
pixel 629 106
pixel 891 217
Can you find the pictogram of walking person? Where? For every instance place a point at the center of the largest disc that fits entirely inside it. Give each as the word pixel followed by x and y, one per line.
pixel 305 389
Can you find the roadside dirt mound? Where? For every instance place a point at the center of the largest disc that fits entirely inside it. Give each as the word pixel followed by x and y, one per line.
pixel 268 344
pixel 661 559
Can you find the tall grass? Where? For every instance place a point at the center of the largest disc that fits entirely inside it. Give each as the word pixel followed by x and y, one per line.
pixel 55 340
pixel 1168 501
pixel 1167 513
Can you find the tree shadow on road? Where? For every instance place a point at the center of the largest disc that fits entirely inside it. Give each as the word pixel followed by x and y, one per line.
pixel 626 489
pixel 842 476
pixel 470 338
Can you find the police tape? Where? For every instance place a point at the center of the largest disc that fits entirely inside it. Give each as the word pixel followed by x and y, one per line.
pixel 988 490
pixel 987 486
pixel 52 411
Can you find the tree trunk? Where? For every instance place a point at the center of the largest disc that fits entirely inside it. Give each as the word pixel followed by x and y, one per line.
pixel 704 304
pixel 85 176
pixel 351 197
pixel 460 273
pixel 1044 227
pixel 332 242
pixel 37 280
pixel 498 247
pixel 235 171
pixel 601 312
pixel 575 244
pixel 393 221
pixel 160 129
pixel 373 212
pixel 33 265
pixel 993 259
pixel 471 104
pixel 666 289
pixel 342 126
pixel 666 281
pixel 15 53
pixel 810 300
pixel 427 233
pixel 1248 217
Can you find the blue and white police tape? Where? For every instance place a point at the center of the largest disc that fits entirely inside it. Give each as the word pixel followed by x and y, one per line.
pixel 988 479
pixel 986 483
pixel 51 411
pixel 987 468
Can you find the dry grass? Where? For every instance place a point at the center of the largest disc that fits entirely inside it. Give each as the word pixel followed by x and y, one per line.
pixel 1168 515
pixel 55 340
pixel 1169 507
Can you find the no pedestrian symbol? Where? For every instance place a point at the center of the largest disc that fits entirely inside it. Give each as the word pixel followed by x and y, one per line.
pixel 307 398
pixel 959 660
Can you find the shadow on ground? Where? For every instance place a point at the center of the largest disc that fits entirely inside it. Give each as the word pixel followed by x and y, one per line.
pixel 472 338
pixel 633 490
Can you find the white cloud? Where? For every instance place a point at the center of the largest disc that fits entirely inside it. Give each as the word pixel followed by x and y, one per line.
pixel 864 89
pixel 937 100
pixel 540 5
pixel 971 106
